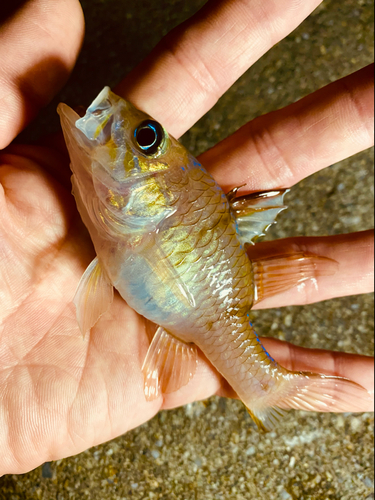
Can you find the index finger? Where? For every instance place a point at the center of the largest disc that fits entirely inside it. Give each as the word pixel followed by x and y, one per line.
pixel 198 61
pixel 38 48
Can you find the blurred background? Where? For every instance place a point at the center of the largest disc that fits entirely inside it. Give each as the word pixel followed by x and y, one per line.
pixel 212 450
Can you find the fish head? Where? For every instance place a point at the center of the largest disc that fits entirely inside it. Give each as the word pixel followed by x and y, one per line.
pixel 127 142
pixel 119 155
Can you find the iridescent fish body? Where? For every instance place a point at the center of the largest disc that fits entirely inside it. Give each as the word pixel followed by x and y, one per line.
pixel 173 245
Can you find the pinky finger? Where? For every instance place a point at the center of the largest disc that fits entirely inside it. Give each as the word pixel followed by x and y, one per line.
pixel 359 369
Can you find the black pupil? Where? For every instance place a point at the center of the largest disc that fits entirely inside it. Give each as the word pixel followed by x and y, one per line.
pixel 149 136
pixel 146 137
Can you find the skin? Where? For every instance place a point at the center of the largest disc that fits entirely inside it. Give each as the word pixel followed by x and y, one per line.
pixel 58 394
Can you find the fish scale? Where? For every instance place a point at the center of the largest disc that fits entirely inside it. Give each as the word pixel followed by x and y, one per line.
pixel 234 261
pixel 225 254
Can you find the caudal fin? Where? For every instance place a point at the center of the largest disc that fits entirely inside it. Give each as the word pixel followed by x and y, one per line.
pixel 310 392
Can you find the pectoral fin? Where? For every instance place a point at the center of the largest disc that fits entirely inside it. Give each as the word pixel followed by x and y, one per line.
pixel 256 212
pixel 93 297
pixel 169 365
pixel 163 268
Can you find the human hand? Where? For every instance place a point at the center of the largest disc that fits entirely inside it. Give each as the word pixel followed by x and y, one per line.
pixel 59 394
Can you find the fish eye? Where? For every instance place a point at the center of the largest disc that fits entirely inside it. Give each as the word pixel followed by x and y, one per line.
pixel 149 136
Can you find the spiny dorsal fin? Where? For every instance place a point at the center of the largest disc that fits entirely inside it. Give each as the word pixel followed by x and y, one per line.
pixel 256 212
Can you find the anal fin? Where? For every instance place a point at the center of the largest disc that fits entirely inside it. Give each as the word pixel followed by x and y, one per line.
pixel 276 274
pixel 93 297
pixel 169 365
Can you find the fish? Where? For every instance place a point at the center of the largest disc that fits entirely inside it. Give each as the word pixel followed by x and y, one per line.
pixel 174 246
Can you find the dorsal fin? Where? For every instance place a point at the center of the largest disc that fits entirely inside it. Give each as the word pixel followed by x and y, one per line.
pixel 256 212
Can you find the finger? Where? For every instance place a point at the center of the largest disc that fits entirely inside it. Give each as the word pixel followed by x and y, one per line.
pixel 359 369
pixel 207 381
pixel 198 61
pixel 38 48
pixel 283 147
pixel 52 157
pixel 355 275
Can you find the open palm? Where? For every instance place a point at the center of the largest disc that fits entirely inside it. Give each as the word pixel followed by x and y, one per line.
pixel 60 394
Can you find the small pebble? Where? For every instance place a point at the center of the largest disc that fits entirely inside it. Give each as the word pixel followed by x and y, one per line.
pixel 284 495
pixel 251 451
pixel 288 320
pixel 355 424
pixel 368 482
pixel 47 471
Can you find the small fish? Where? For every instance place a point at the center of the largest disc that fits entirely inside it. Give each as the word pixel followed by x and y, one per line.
pixel 173 244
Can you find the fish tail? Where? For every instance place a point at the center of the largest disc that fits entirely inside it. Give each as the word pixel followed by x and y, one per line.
pixel 309 392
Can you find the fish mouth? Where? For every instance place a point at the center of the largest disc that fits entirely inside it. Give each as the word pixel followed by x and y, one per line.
pixel 94 128
pixel 97 122
pixel 69 118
